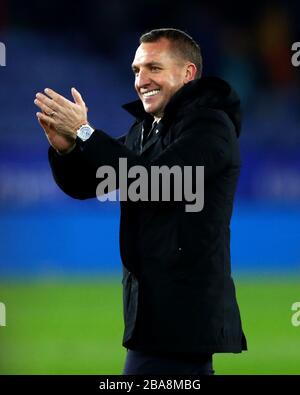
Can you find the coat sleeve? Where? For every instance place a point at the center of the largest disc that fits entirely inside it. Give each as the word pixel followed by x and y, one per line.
pixel 73 173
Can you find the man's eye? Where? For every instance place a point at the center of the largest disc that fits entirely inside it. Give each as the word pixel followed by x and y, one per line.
pixel 155 68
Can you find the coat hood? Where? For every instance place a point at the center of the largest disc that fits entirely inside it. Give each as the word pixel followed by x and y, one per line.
pixel 207 92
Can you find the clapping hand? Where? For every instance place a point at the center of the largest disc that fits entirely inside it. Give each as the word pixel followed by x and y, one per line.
pixel 60 118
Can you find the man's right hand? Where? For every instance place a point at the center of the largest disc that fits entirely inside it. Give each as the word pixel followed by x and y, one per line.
pixel 61 143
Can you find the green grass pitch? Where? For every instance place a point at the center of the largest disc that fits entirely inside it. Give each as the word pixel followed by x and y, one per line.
pixel 75 327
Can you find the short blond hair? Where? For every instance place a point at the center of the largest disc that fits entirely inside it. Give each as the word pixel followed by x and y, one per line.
pixel 186 46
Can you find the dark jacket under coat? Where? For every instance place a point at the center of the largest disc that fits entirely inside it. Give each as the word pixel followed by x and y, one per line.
pixel 179 296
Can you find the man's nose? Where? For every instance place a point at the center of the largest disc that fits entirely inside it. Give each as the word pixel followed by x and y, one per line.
pixel 142 79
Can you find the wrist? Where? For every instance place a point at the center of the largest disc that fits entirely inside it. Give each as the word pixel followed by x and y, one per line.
pixel 79 124
pixel 85 131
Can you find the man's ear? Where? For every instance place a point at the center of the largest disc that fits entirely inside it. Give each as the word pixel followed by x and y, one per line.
pixel 190 72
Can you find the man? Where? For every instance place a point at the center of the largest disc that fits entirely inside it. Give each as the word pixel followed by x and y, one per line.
pixel 179 298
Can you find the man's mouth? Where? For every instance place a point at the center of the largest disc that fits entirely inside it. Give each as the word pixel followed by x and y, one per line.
pixel 151 93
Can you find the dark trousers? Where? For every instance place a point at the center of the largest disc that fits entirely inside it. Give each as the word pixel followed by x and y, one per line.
pixel 138 362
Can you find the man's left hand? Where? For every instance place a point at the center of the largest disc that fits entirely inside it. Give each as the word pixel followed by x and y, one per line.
pixel 62 114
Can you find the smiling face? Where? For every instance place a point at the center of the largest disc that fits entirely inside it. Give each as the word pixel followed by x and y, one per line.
pixel 159 73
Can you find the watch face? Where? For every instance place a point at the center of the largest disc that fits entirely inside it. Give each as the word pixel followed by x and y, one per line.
pixel 85 132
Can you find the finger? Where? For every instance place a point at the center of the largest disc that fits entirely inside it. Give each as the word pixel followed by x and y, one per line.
pixel 47 123
pixel 77 97
pixel 46 100
pixel 59 99
pixel 47 110
pixel 44 125
pixel 45 118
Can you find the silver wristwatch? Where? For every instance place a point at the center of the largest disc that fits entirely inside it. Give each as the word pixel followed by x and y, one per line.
pixel 85 132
